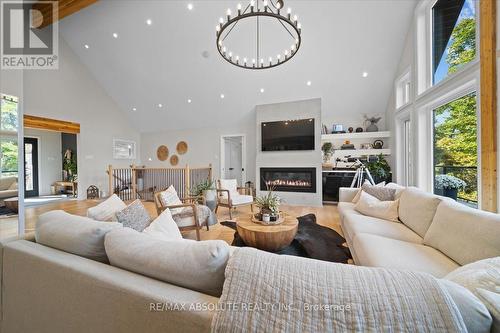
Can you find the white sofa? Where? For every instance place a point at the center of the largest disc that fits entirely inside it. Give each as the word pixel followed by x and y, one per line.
pixel 435 234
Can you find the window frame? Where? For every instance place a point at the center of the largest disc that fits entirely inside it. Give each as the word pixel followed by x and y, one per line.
pixel 423 49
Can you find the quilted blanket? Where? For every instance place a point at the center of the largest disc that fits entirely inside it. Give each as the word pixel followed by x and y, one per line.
pixel 264 292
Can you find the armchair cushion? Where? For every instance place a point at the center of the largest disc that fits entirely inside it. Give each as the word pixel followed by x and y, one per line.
pixel 238 199
pixel 228 184
pixel 169 197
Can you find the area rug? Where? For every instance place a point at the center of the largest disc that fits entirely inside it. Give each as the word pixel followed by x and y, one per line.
pixel 312 241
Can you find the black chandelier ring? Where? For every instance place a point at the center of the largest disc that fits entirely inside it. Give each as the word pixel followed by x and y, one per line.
pixel 258 62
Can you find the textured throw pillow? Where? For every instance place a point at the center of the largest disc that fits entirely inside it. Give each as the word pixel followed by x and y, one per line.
pixel 164 227
pixel 371 206
pixel 356 197
pixel 380 192
pixel 134 216
pixel 482 278
pixel 195 265
pixel 399 189
pixel 106 210
pixel 417 209
pixel 74 234
pixel 475 314
pixel 169 197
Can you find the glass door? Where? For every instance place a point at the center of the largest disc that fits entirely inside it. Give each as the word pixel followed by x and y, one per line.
pixel 31 167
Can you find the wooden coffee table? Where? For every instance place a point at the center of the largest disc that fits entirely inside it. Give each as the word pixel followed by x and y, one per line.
pixel 270 238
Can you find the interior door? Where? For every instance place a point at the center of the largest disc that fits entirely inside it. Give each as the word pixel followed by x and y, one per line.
pixel 31 184
pixel 233 164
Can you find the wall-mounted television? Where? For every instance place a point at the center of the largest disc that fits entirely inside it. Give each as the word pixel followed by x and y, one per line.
pixel 288 135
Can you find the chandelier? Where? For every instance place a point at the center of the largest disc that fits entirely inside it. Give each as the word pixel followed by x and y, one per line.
pixel 254 11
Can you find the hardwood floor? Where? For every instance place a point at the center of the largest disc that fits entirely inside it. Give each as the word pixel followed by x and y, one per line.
pixel 326 216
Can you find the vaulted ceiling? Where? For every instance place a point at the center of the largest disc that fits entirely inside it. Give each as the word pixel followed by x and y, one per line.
pixel 174 59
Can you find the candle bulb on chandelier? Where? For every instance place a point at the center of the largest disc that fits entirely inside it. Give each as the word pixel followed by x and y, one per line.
pixel 228 14
pixel 239 9
pixel 252 5
pixel 237 59
pixel 289 12
pixel 265 5
pixel 245 62
pixel 286 54
pixel 278 57
pixel 299 26
pixel 295 18
pixel 230 55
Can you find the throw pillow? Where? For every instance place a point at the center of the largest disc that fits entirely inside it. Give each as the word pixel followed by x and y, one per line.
pixel 229 184
pixel 371 206
pixel 134 216
pixel 169 197
pixel 380 192
pixel 399 189
pixel 74 234
pixel 482 278
pixel 194 265
pixel 106 210
pixel 356 197
pixel 164 227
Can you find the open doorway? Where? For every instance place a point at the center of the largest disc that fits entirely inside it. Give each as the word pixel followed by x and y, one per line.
pixel 233 158
pixel 50 160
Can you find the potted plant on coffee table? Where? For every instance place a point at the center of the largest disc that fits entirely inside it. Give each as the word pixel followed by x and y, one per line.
pixel 269 205
pixel 449 185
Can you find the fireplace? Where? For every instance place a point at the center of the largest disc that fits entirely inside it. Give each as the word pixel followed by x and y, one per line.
pixel 288 179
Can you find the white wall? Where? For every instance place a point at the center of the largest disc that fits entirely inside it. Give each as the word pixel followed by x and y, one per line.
pixel 204 145
pixel 292 110
pixel 49 158
pixel 72 94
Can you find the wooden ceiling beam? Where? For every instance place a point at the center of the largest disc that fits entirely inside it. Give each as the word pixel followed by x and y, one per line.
pixel 65 8
pixel 51 124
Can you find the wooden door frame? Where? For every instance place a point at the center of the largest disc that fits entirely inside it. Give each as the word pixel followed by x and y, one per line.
pixel 488 100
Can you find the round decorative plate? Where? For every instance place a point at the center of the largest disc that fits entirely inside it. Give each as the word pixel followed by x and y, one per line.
pixel 162 153
pixel 182 147
pixel 174 160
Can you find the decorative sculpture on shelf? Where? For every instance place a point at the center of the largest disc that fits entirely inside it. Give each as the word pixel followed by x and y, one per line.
pixel 372 127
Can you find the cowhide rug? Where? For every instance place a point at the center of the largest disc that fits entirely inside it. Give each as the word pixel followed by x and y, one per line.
pixel 312 241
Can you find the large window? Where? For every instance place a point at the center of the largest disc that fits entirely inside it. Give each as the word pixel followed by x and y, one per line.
pixel 407 167
pixel 454 36
pixel 8 136
pixel 455 149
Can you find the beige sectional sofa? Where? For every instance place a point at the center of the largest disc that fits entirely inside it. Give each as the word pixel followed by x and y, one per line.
pixel 435 234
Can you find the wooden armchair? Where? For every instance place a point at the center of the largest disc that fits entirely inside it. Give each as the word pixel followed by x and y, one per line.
pixel 183 223
pixel 229 196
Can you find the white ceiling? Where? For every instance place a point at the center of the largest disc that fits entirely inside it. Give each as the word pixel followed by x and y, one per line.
pixel 163 63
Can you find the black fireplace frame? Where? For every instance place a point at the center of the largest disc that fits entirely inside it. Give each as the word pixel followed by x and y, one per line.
pixel 311 189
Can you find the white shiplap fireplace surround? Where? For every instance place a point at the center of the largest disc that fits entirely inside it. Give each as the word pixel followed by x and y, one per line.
pixel 291 159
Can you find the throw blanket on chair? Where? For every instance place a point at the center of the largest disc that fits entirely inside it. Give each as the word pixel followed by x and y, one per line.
pixel 265 292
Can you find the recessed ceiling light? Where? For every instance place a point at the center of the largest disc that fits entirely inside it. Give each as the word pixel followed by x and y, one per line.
pixel 134 109
pixel 190 6
pixel 149 22
pixel 262 90
pixel 86 46
pixel 189 101
pixel 115 35
pixel 150 159
pixel 309 83
pixel 365 74
pixel 222 96
pixel 160 105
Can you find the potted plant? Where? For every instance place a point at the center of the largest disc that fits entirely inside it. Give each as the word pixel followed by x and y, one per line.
pixel 379 169
pixel 69 166
pixel 327 149
pixel 449 185
pixel 206 191
pixel 268 204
